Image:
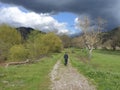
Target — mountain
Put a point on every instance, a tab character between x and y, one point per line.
25	31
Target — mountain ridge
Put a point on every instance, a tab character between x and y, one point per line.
25	31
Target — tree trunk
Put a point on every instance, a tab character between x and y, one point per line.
90	53
17	63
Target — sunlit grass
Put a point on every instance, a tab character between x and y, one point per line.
28	77
103	70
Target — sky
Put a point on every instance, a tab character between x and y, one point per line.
58	15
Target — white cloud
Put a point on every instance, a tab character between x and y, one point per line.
77	26
14	16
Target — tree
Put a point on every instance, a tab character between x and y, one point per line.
18	53
66	40
78	42
35	45
41	44
91	32
8	37
53	42
111	39
115	39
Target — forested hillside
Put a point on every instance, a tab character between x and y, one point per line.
20	44
111	39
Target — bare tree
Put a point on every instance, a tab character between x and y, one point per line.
91	32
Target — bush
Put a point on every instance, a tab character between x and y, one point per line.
53	42
8	37
18	53
35	45
41	44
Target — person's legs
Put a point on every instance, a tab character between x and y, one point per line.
66	62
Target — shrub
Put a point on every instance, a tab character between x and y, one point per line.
53	42
41	44
18	53
8	37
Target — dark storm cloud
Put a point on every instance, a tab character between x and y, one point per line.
94	8
77	6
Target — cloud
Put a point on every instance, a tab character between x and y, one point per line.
16	17
108	9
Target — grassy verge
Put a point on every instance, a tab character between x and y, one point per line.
28	77
103	70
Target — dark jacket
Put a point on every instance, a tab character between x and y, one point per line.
66	56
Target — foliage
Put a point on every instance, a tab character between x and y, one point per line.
18	53
53	42
8	37
34	45
111	38
41	44
66	40
78	42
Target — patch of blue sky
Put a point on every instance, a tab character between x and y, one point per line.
68	18
65	17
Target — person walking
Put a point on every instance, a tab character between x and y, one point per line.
65	59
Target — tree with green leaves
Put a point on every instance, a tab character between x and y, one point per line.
40	44
34	45
52	42
8	37
18	53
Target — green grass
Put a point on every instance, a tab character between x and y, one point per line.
103	70
28	77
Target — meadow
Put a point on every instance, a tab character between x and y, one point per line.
28	77
103	69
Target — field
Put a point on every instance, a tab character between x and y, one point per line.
103	70
28	77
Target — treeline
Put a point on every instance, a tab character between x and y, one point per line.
14	48
108	40
111	39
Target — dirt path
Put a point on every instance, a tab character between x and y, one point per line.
67	78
